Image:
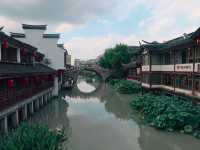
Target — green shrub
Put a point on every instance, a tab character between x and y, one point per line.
113	82
34	137
169	113
124	86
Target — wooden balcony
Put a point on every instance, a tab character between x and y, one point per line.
11	97
170	68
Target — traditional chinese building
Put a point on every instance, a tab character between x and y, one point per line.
25	83
55	54
173	65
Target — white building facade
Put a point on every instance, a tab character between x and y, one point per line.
48	45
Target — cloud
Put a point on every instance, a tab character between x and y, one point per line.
90	47
64	27
10	24
170	18
70	11
166	19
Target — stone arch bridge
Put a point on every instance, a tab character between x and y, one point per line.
73	73
103	73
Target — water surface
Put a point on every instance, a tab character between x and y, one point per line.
103	120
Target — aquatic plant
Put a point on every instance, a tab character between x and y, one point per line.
170	113
124	86
32	137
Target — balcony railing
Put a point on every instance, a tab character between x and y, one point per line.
12	96
170	68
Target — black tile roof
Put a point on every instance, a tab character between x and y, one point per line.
28	26
17	35
61	46
9	69
181	42
57	36
16	42
196	34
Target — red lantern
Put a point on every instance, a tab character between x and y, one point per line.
10	83
5	44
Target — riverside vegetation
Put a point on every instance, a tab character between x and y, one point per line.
124	86
169	113
161	111
32	137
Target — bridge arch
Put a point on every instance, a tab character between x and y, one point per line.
92	70
103	73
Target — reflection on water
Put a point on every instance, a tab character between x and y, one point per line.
83	86
103	120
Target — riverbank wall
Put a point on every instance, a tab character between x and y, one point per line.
11	117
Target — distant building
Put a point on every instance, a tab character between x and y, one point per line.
67	57
68	62
77	62
47	44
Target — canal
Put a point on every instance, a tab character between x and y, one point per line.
97	118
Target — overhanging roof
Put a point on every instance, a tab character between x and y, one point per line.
10	69
175	44
16	42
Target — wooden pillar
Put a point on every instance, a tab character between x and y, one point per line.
6	124
17	118
0	51
174	72
42	100
32	107
38	103
18	55
150	68
25	111
193	71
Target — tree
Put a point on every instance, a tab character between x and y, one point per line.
113	59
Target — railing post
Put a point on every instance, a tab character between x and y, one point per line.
6	124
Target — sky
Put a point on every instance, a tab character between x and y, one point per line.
88	27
